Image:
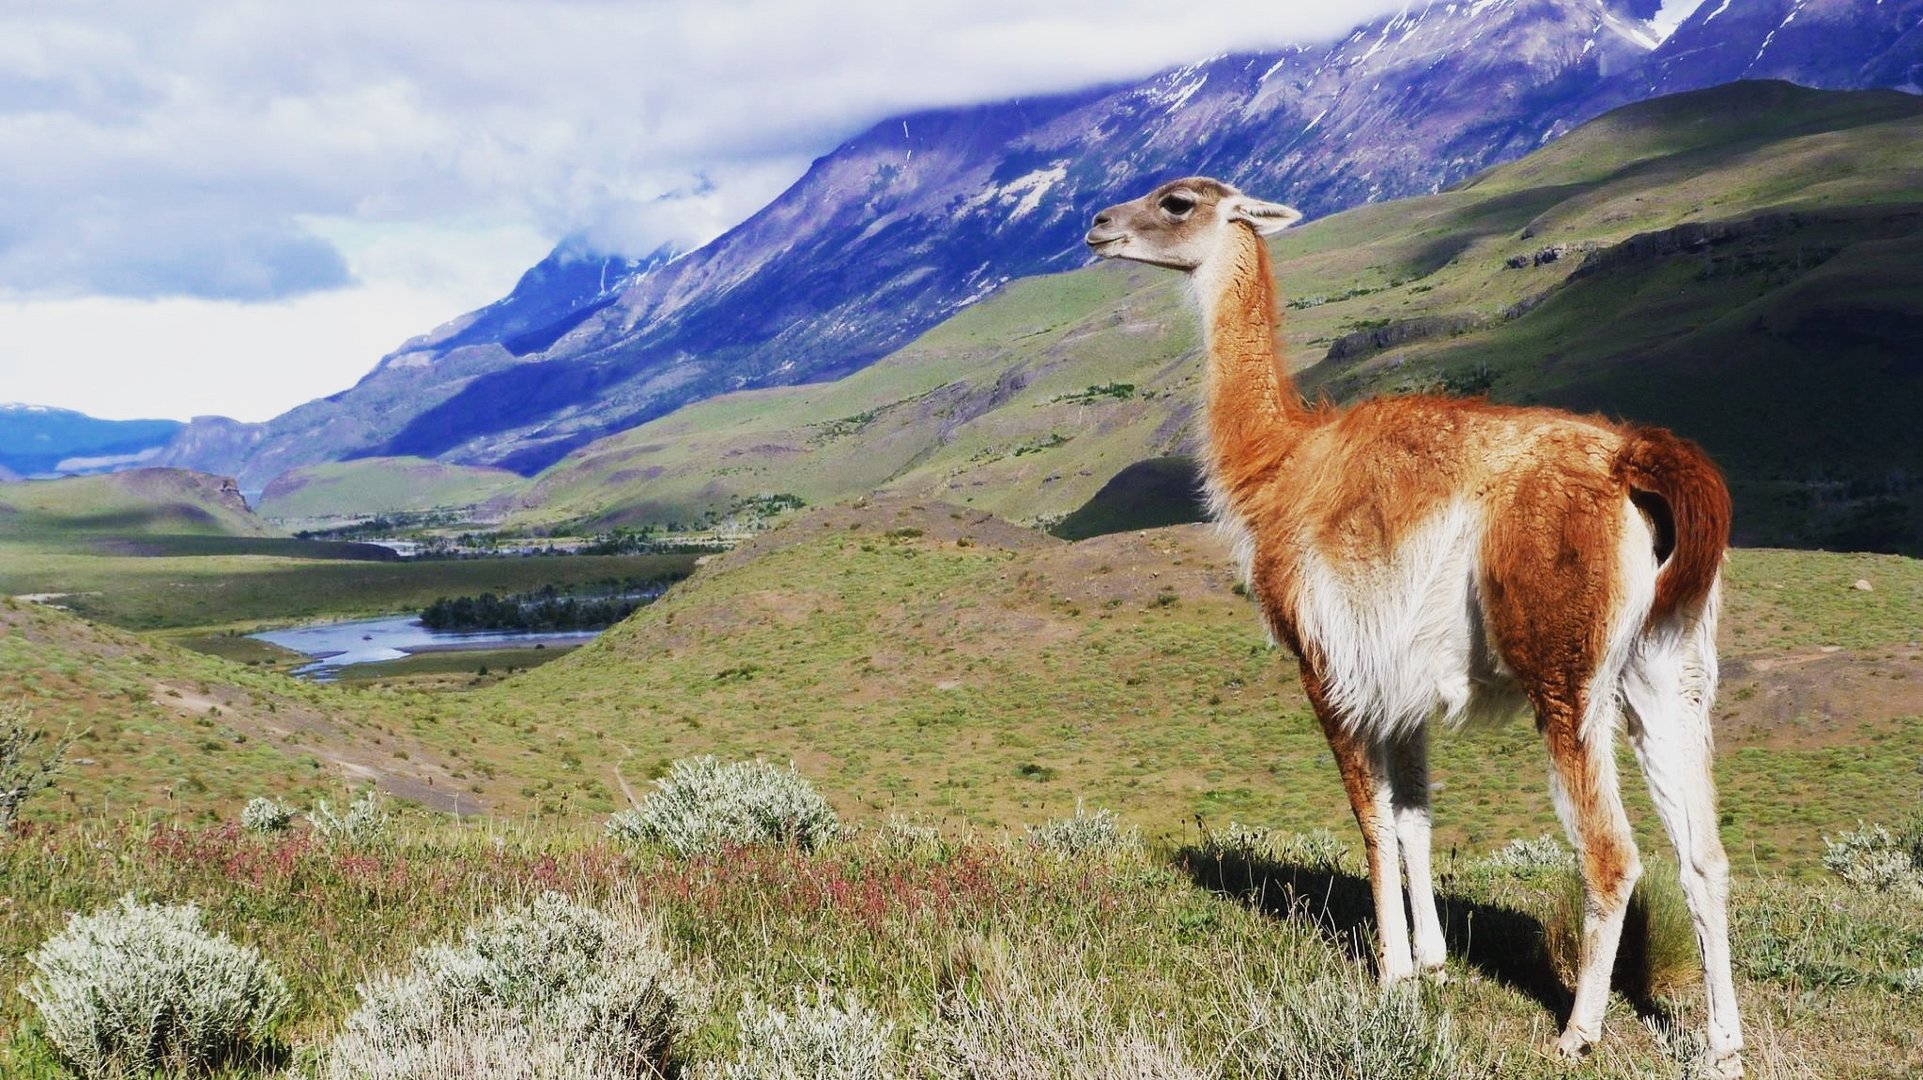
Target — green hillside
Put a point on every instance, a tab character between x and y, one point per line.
1778	326
380	486
138	503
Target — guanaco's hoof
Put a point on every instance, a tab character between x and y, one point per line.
1728	1067
1574	1044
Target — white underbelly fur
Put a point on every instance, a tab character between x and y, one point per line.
1402	642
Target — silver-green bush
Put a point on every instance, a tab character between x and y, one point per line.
1099	833
135	988
1347	1029
1531	858
704	806
552	980
822	1039
1318	849
480	1044
1874	858
364	825
263	815
903	838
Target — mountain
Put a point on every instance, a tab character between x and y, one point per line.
923	215
1841	44
1743	264
36	440
919	216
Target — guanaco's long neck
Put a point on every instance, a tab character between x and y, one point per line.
1253	407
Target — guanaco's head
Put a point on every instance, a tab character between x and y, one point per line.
1180	224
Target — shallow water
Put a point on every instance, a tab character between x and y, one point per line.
332	646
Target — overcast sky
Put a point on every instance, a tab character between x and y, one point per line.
233	208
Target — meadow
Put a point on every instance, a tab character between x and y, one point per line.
1189	948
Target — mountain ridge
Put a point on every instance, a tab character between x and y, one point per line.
40	440
915	218
1720	256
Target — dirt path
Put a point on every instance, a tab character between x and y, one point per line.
626	753
425	780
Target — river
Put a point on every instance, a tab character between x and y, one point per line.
332	646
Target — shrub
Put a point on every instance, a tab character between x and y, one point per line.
1343	1029
264	815
1248	846
1658	954
1315	850
550	982
134	988
819	1040
1099	833
23	772
1531	858
705	806
364	825
1873	858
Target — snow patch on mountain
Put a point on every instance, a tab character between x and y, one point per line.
1025	192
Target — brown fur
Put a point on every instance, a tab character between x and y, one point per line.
1690	487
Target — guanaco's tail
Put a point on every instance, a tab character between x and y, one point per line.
1673	482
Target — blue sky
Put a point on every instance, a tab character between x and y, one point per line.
233	208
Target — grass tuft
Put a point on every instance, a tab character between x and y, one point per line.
1345	1028
1658	956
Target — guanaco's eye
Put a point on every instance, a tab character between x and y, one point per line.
1177	203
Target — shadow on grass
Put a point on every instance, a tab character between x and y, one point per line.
1504	945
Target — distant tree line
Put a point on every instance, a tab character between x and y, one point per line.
546	609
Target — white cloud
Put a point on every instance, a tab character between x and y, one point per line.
256	162
127	358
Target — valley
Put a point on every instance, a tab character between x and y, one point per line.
880	512
930	659
931	664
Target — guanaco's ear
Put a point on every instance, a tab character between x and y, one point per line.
1264	217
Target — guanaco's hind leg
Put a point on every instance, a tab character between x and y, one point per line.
1670	684
1583	784
1365	776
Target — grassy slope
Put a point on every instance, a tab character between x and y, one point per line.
990	409
995	681
138	503
380	485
